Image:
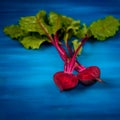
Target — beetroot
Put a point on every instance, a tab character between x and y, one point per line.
90	75
65	81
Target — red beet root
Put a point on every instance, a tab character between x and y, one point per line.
65	81
90	75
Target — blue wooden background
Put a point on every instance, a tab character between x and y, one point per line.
27	90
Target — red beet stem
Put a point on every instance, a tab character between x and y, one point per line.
61	51
72	64
78	66
73	59
69	48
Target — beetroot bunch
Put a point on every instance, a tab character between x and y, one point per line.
32	31
66	79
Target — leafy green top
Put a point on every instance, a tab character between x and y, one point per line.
104	28
31	30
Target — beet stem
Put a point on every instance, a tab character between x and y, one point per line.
78	66
73	59
61	51
69	49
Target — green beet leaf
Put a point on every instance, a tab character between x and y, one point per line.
55	21
43	23
33	42
29	24
83	31
74	27
105	28
70	27
14	31
33	23
66	21
76	43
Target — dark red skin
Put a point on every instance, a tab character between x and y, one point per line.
65	81
89	75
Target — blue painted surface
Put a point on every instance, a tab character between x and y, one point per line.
27	90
